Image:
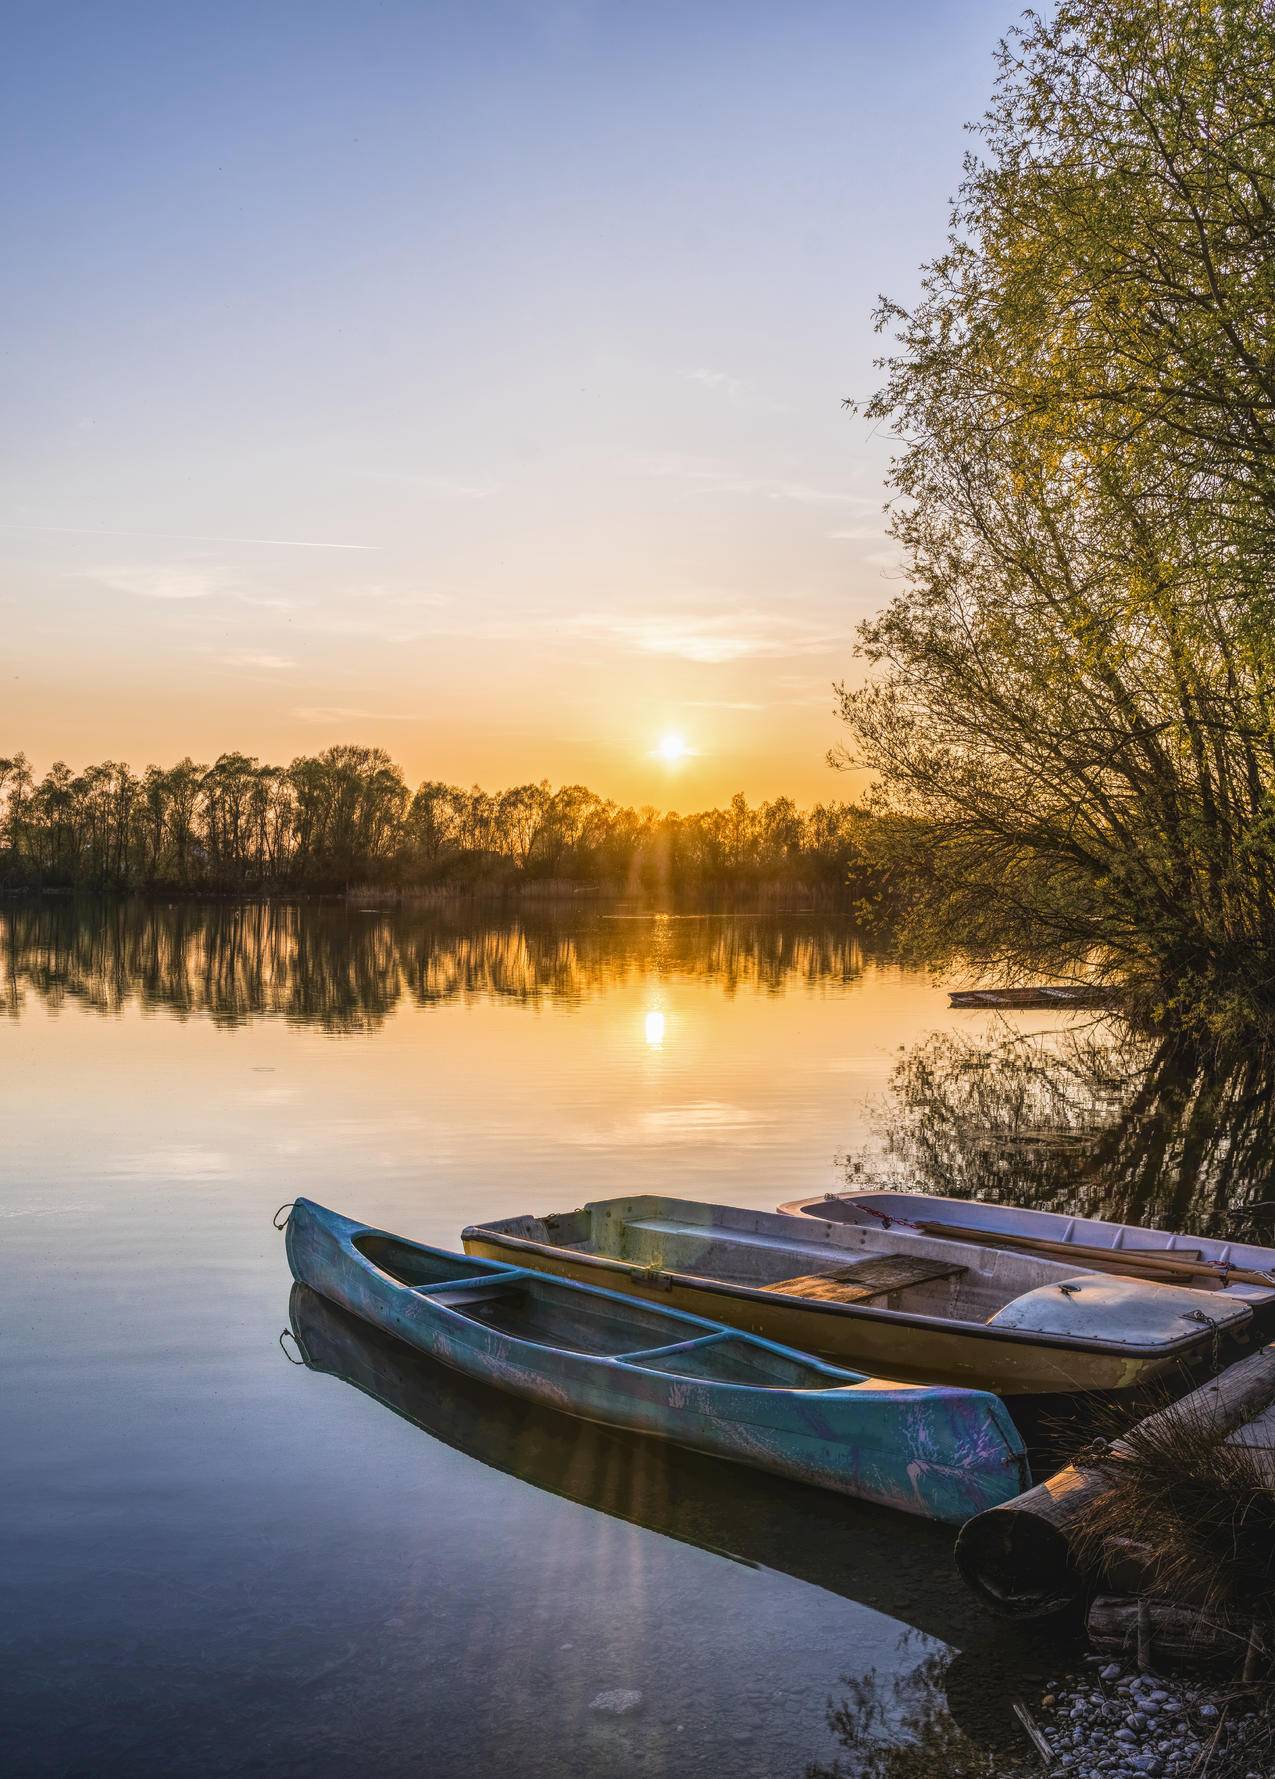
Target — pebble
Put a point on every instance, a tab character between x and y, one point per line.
1131	1725
616	1700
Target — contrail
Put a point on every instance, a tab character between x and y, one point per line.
189	537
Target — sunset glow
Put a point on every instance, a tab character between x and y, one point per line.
492	493
672	749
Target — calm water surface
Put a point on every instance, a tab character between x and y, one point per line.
218	1562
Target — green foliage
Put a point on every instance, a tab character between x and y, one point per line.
1074	702
346	817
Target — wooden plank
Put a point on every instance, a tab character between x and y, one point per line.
1060	995
864	1279
1129	1260
1034	1736
1257	1436
820	1285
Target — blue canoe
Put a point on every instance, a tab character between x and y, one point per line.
943	1453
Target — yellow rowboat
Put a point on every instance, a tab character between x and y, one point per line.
894	1302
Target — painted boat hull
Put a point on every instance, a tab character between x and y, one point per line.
943	1454
904	1344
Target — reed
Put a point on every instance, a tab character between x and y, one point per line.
1195	1515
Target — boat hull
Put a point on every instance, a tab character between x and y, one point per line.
884	1343
939	1453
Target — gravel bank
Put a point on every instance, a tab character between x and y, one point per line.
1113	1721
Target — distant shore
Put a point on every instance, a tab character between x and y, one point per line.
777	899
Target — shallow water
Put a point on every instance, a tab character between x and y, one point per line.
217	1562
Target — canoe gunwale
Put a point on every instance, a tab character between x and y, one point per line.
1076	1343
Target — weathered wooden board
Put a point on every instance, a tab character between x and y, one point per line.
864	1279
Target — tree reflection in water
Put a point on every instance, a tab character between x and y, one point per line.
1094	1120
346	969
905	1730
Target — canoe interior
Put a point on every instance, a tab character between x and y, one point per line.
408	1264
553	1314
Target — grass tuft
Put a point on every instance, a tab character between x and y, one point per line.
1199	1515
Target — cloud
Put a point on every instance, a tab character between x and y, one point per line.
437	487
186	537
186	581
712	477
166	581
390	596
353	713
710	638
251	659
732	386
805	495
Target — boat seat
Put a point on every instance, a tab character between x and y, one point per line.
864	1279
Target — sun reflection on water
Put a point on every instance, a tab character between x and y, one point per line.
653	1029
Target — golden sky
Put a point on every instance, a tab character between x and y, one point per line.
464	381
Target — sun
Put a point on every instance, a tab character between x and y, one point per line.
672	749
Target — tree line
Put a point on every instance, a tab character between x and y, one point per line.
346	817
1075	700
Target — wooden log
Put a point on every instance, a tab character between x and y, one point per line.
1174	1632
1126	1260
1018	1559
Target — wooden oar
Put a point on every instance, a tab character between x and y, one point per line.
1160	1260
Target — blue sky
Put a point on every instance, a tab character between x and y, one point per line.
463	379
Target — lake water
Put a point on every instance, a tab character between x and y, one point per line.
219	1562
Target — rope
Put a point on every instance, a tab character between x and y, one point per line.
284	1207
289	1335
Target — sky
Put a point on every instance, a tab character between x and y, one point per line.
461	379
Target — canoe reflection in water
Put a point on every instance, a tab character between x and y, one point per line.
900	1567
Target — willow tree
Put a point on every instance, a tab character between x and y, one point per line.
1073	695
